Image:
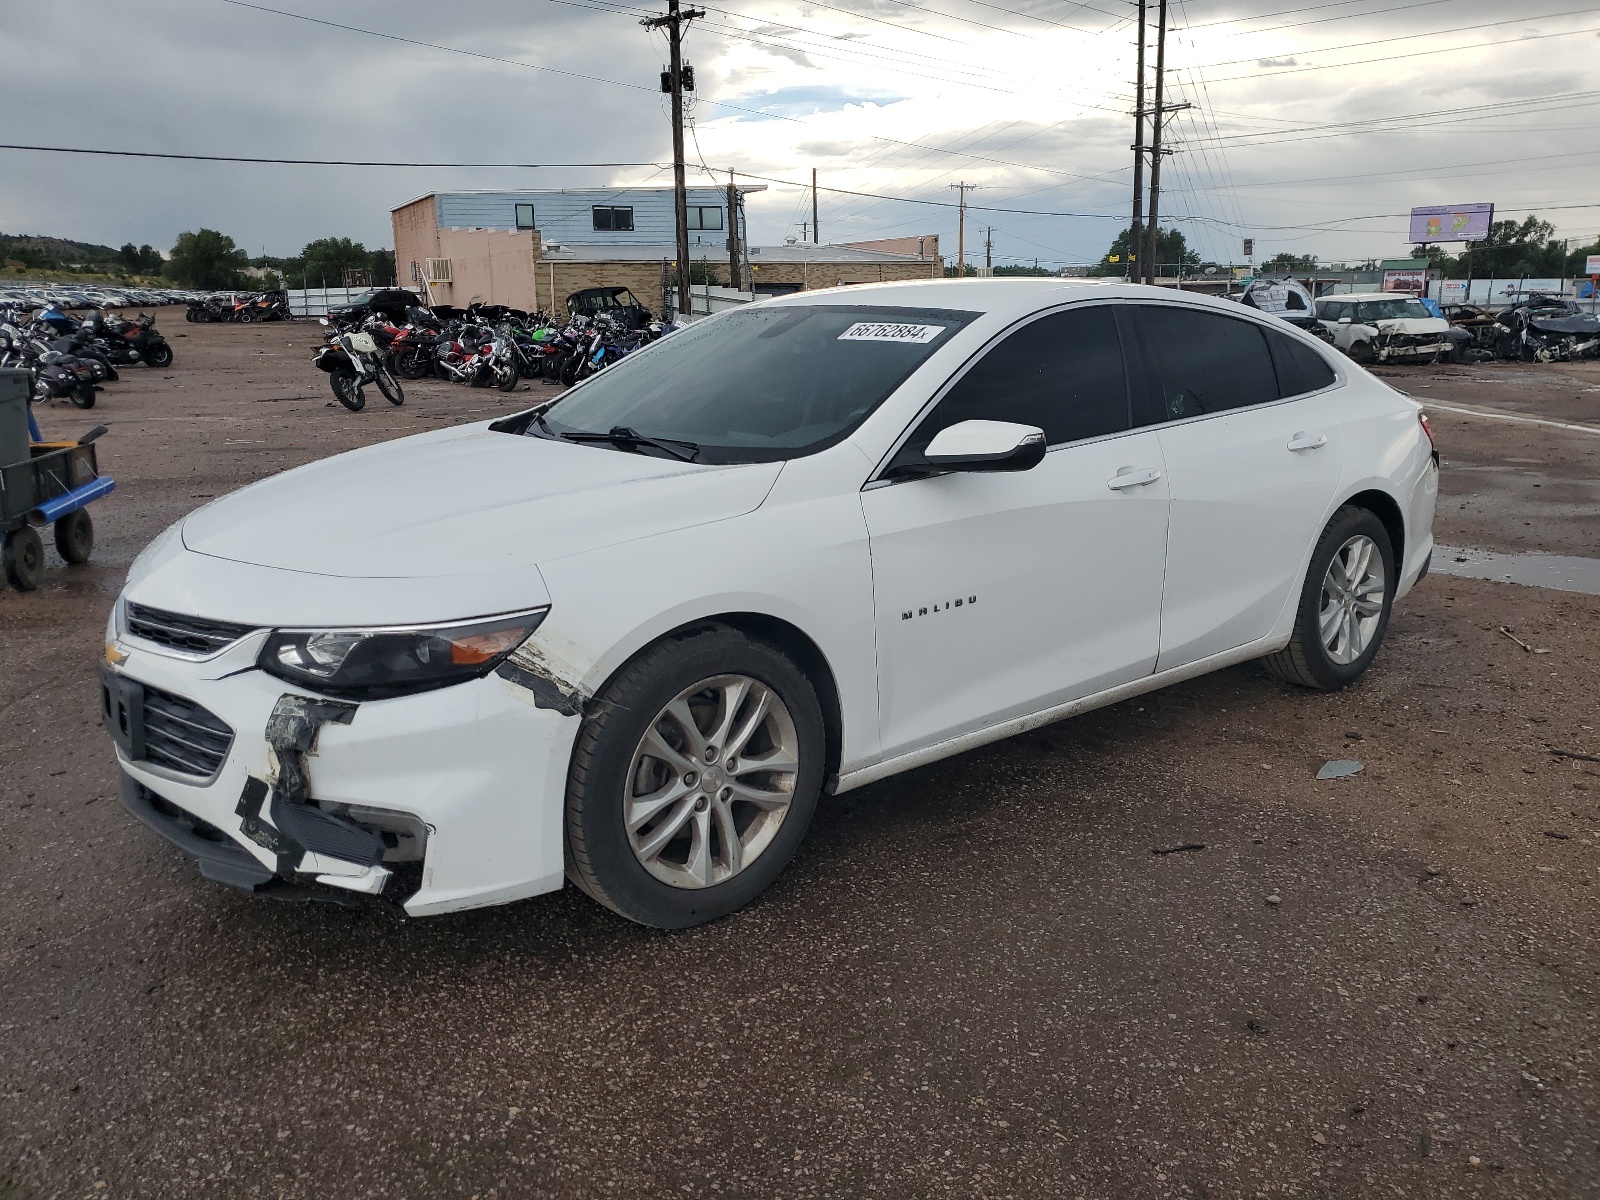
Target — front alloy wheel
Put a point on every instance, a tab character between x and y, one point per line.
694	777
711	781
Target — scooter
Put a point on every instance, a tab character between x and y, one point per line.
353	360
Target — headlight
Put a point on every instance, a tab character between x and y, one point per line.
375	664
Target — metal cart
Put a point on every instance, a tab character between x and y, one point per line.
42	483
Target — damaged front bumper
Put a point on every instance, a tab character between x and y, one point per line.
1393	347
446	800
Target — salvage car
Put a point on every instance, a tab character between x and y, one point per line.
630	636
1380	327
1288	300
1545	328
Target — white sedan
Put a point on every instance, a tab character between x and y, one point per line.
630	637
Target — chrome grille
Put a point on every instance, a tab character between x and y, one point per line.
193	635
182	736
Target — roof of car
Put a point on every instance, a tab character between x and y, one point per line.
1371	296
1018	294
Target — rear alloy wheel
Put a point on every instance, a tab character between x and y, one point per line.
1344	607
684	816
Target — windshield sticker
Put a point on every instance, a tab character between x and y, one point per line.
875	331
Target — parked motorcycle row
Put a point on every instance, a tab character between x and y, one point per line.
243	308
481	346
70	359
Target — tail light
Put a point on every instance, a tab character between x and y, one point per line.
1427	429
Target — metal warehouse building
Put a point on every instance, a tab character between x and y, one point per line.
531	249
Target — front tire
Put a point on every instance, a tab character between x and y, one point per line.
348	390
159	356
1344	606
694	778
390	387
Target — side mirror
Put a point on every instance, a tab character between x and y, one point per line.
1344	320
985	446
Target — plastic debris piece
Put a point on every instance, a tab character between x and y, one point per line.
1177	849
1341	768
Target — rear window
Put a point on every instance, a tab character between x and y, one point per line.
1301	368
759	384
1205	362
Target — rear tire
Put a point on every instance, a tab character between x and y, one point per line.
83	396
23	558
75	536
159	356
601	854
1335	642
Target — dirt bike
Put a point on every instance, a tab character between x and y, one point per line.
353	360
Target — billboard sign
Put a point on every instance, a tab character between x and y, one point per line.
1453	291
1411	282
1451	223
1591	265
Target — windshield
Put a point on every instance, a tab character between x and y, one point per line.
1393	310
758	384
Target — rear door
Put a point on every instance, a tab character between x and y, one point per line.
1254	452
997	595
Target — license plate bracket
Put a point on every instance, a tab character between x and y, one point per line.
122	712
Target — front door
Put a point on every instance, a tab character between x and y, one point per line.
998	595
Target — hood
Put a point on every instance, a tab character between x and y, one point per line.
1414	325
465	501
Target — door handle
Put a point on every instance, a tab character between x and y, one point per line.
1308	441
1132	477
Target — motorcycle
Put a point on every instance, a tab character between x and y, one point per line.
143	337
53	375
353	360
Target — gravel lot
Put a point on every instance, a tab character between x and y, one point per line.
978	979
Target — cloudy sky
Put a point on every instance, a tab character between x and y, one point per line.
1314	123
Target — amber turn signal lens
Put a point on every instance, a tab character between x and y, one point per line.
470	651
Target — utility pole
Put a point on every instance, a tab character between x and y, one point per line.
815	228
1157	128
1136	230
734	277
961	227
988	251
674	81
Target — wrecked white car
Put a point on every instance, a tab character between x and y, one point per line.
1381	327
630	637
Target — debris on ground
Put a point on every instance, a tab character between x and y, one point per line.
1187	846
1506	629
1341	768
1574	754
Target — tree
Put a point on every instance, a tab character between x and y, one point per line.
1285	263
1171	251
206	259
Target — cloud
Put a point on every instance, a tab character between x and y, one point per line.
788	52
1290	61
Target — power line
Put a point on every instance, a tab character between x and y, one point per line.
319	162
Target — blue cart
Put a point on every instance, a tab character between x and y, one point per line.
42	483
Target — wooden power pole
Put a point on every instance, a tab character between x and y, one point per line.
1135	250
735	272
961	227
674	80
1157	128
816	230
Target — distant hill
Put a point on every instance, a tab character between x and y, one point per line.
41	251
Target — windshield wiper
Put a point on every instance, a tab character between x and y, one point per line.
624	438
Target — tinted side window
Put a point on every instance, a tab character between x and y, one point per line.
1204	362
1300	368
1062	373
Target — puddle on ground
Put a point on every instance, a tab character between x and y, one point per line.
1564	572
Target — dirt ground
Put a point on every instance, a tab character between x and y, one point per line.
978	979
